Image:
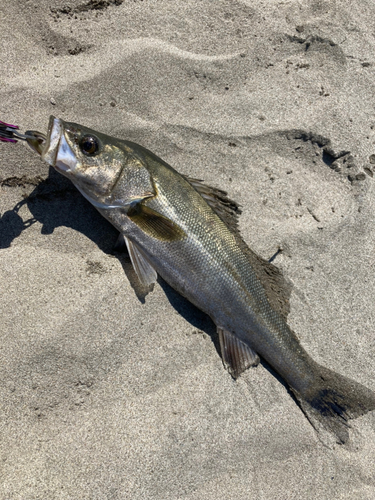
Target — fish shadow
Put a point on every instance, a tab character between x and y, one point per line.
197	318
201	321
53	203
56	202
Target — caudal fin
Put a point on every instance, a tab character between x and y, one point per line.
335	400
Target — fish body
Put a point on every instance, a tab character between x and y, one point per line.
187	233
208	267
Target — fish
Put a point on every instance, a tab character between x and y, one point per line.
186	232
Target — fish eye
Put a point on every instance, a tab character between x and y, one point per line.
89	145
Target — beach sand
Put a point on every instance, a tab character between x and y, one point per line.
107	394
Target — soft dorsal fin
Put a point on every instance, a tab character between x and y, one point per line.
277	288
236	355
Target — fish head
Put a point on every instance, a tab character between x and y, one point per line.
94	162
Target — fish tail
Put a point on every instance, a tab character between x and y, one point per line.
332	402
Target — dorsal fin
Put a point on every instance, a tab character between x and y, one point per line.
277	288
227	209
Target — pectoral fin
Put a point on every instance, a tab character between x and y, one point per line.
155	224
236	355
145	272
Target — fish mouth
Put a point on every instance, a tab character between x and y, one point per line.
51	146
56	151
43	144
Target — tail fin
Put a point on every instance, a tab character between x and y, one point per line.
335	400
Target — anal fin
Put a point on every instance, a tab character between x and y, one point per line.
236	355
145	272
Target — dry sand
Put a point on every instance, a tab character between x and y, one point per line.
106	395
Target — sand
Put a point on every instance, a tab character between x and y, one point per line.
109	395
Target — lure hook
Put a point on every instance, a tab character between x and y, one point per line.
9	133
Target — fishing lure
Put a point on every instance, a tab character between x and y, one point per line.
9	133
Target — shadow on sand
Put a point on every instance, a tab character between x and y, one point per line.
56	202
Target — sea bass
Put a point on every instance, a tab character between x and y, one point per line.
187	233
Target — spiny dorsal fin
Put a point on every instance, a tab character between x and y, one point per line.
227	209
236	355
277	288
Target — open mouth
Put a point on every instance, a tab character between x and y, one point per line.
51	146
